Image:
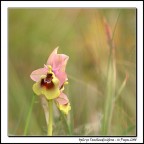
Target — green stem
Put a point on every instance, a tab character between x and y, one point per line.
50	105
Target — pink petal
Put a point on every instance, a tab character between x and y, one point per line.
62	76
62	99
51	57
60	61
57	61
35	75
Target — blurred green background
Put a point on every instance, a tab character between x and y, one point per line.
79	33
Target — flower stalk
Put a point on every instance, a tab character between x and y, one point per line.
50	128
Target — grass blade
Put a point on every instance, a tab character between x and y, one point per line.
29	116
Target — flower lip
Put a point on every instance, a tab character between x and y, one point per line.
47	82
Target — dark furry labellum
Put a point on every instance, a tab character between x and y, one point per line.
47	82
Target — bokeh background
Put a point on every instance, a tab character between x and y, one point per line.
79	33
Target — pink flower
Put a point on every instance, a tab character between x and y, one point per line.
50	80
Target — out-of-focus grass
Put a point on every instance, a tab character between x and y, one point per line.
34	33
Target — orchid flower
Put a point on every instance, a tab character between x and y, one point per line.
50	80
